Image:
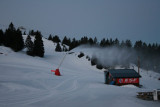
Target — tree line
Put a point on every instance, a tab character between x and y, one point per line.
149	54
139	45
12	38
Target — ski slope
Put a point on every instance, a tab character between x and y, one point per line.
26	81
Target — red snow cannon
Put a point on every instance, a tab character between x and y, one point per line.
56	72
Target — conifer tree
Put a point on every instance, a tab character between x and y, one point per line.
102	43
111	42
18	42
24	33
138	45
95	40
73	44
123	44
31	32
84	40
1	37
91	41
9	35
13	38
56	39
11	27
29	45
38	49
50	37
107	43
144	46
116	42
128	43
64	41
58	48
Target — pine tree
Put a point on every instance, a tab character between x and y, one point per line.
64	41
24	33
111	42
102	43
50	37
123	44
107	43
13	38
91	41
144	46
68	42
116	42
56	39
95	40
32	33
138	45
38	49
9	35
11	27
84	40
58	48
128	43
1	36
74	44
29	45
18	42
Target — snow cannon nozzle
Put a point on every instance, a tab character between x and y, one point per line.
56	72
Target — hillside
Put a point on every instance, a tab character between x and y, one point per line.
26	81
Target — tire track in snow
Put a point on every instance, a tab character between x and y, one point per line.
56	95
32	97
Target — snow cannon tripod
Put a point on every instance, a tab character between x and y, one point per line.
57	72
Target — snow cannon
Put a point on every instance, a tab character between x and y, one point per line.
56	72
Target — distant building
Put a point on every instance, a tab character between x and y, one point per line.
122	77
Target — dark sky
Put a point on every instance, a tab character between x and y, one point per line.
122	19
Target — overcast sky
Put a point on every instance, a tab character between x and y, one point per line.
122	19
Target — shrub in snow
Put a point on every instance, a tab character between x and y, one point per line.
81	54
87	57
93	61
99	66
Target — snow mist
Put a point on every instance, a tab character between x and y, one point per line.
113	56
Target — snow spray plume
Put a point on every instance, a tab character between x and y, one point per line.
113	56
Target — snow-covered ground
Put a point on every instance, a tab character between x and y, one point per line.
26	81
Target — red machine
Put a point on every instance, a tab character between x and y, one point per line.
56	72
